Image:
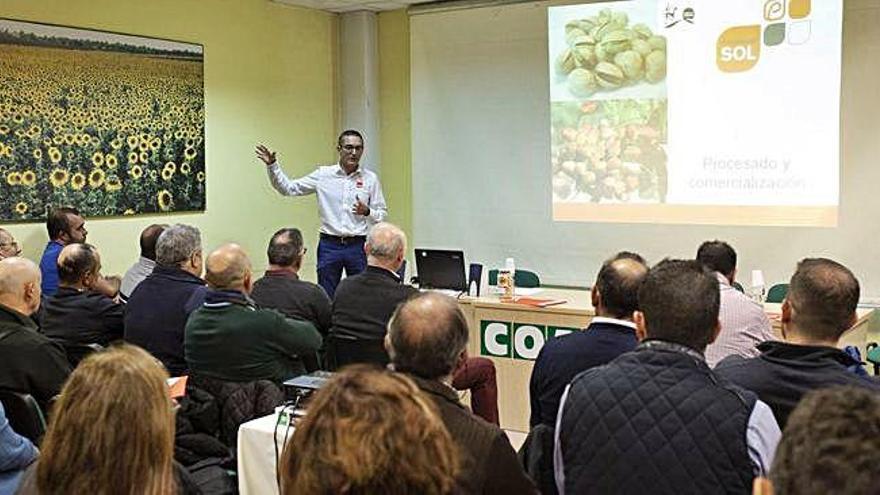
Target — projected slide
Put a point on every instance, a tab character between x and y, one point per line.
696	111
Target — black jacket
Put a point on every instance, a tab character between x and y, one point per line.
365	302
294	298
784	372
82	317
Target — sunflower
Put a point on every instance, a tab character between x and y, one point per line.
98	159
144	146
167	173
165	200
59	177
171	166
4	129
54	154
132	141
113	184
128	212
189	153
96	178
28	178
143	157
136	172
78	181
155	143
111	161
58	139
200	176
69	139
132	157
116	143
153	174
184	168
21	208
13	178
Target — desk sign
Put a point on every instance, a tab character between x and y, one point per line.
516	340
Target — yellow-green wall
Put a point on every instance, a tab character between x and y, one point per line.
394	102
269	77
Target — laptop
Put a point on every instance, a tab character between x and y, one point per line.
441	269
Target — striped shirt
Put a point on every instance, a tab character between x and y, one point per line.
744	325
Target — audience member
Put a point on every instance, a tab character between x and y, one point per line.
145	264
658	419
281	288
77	314
369	431
9	247
228	338
364	304
16	454
820	306
29	362
111	430
65	226
427	340
610	333
744	324
830	445
157	310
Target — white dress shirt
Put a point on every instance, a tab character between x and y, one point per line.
337	194
744	325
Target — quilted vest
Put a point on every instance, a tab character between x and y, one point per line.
656	420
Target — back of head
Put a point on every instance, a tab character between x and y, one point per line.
58	221
369	431
426	335
385	243
114	404
823	295
228	268
177	244
149	237
20	284
718	256
831	444
76	262
679	300
285	247
618	284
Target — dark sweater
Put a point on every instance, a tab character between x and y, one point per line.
562	358
294	298
365	302
29	362
489	463
156	314
228	338
82	317
784	372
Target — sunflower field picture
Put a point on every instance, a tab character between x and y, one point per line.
111	124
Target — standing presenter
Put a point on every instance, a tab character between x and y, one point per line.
350	201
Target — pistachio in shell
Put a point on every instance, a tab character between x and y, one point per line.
582	82
631	63
604	16
610	76
582	40
585	24
655	66
617	41
619	19
642	47
585	56
657	42
642	31
565	62
601	54
571	35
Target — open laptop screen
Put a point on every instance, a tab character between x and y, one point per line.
441	269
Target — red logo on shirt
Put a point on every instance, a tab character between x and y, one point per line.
359	184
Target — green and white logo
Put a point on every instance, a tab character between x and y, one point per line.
516	340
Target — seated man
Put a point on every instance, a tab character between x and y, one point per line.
281	288
65	226
658	419
820	306
427	339
744	324
228	338
29	362
365	302
145	264
9	247
157	310
78	314
610	333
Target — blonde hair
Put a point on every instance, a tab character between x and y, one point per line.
112	429
370	431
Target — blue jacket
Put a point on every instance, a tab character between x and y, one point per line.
16	453
49	268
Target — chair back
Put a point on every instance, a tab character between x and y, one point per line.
521	278
78	352
777	293
343	350
24	414
536	458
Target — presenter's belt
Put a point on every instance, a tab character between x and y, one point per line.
343	239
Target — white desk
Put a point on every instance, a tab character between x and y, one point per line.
256	456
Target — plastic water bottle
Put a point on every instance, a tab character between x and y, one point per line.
758	288
506	283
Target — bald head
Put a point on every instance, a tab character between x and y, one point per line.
229	268
8	246
149	237
427	336
79	266
616	292
385	246
20	285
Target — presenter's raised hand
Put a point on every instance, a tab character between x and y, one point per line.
360	208
265	154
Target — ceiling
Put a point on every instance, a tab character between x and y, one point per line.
340	6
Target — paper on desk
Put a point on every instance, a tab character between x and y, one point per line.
519	291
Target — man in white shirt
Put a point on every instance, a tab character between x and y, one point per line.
350	201
744	324
145	264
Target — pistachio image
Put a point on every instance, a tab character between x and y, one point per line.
657	42
585	56
582	82
630	62
641	30
609	76
655	66
565	63
642	47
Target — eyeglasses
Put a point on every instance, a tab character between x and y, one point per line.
350	148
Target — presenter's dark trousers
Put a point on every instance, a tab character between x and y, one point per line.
336	253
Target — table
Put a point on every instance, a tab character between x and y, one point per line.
256	455
511	335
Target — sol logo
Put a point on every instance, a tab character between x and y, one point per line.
738	48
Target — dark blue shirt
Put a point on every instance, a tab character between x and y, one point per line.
564	357
49	268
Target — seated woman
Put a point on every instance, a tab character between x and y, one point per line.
111	430
369	431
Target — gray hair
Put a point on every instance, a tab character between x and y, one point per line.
177	244
385	241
